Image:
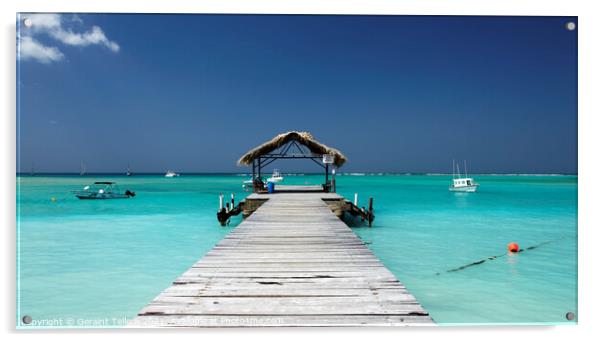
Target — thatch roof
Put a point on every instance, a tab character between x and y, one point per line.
304	138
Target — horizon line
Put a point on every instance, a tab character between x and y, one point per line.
370	173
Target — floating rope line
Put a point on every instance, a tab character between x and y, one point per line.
493	257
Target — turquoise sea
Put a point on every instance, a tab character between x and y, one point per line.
97	263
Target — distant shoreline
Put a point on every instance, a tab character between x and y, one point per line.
244	174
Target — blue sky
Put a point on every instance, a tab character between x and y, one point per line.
394	93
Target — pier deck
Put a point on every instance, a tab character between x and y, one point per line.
291	263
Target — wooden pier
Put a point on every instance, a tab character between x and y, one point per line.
292	262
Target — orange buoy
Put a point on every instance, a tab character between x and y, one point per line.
513	247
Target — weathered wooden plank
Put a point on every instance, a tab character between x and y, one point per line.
272	308
316	282
212	321
281	291
308	266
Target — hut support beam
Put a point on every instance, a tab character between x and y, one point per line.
326	185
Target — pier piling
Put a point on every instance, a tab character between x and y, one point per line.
370	211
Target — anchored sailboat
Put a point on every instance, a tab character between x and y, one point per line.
462	184
82	169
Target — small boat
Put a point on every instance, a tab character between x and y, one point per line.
171	174
276	177
247	185
103	190
129	171
462	184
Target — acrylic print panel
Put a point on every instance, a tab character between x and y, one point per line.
295	170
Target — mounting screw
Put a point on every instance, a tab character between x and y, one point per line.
26	319
570	26
27	22
570	316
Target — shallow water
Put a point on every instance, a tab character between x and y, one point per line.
97	263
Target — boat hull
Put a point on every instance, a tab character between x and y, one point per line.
471	188
96	196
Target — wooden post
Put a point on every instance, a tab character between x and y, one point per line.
221	201
334	181
370	209
355	199
231	201
259	168
255	188
222	217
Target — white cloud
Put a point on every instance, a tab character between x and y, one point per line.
77	19
54	26
94	36
31	49
44	22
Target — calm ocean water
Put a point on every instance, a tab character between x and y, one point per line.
102	261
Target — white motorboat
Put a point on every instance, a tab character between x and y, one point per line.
462	184
171	174
103	190
276	177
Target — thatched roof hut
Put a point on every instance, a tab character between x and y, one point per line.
303	138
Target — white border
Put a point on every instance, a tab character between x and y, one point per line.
590	58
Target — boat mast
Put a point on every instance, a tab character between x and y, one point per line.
465	169
453	169
82	168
